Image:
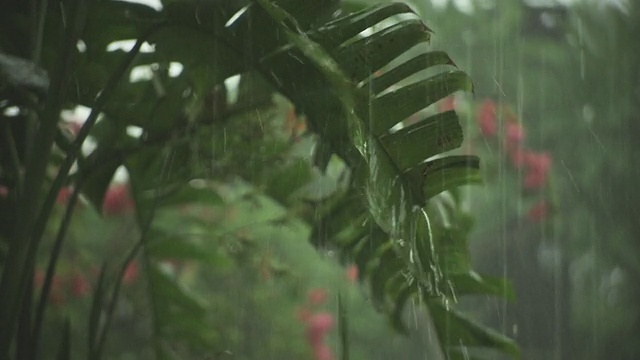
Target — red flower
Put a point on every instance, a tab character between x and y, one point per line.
487	118
64	194
538	166
79	285
4	191
117	200
352	273
317	296
540	162
131	273
538	212
514	135
318	325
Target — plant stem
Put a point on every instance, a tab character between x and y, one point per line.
13	153
41	10
14	280
343	328
51	268
96	352
74	149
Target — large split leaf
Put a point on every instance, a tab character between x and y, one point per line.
331	73
397	170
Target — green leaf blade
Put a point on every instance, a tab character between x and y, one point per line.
391	108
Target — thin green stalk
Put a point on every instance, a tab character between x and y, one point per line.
343	328
14	279
51	268
96	353
72	155
23	335
39	30
13	153
74	149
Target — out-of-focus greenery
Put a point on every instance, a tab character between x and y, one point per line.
570	75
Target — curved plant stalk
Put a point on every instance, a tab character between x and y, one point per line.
74	149
14	276
51	269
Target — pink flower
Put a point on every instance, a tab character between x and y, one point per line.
538	212
486	117
538	166
514	135
352	273
117	200
4	191
318	326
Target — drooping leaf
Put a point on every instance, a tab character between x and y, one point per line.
23	74
455	330
471	283
178	314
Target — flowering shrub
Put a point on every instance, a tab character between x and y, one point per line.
317	324
510	134
77	284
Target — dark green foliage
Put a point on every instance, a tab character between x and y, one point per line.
393	215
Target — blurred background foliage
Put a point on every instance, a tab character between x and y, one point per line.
567	73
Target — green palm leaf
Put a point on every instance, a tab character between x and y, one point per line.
327	70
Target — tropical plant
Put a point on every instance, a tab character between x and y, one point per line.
356	76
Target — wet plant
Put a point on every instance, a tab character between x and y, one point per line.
183	97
